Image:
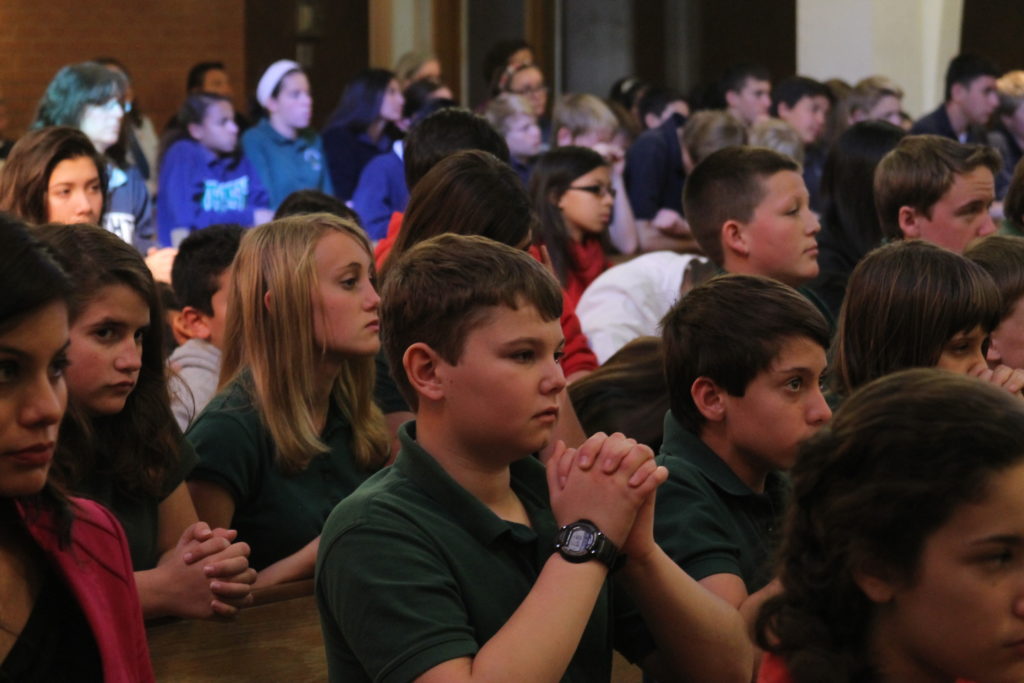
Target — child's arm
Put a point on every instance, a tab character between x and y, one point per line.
201	572
550	621
700	636
177	208
215	503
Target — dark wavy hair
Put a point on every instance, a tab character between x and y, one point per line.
360	102
73	88
140	444
551	177
25	177
904	302
899	457
31	279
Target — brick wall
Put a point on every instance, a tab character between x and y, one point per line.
158	40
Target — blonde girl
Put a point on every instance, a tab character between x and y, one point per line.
294	428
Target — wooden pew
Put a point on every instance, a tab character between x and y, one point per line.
276	639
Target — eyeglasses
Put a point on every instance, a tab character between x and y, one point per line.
531	90
601	191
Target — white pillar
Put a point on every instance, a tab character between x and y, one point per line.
910	41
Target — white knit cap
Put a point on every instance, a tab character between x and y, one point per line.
272	76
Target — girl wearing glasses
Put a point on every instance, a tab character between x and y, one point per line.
88	96
573	196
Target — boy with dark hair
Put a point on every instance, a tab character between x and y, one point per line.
463	560
748	208
208	77
654	177
746	89
441	134
200	277
658	103
970	99
744	391
804	104
933	188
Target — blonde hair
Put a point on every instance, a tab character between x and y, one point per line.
581	113
709	131
503	107
778	135
1010	87
276	344
869	91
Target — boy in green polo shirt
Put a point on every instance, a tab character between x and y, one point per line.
467	560
744	359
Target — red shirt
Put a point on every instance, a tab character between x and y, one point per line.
98	569
383	248
773	670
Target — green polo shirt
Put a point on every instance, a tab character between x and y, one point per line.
275	513
413	571
709	521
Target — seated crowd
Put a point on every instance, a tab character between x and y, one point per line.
730	383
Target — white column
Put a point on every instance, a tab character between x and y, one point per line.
910	41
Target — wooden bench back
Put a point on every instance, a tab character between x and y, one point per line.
277	639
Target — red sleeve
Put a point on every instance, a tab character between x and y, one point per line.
383	248
577	354
773	670
109	596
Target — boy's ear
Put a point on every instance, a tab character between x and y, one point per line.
910	222
421	364
651	120
709	399
194	323
734	238
195	130
563	136
957	92
731	98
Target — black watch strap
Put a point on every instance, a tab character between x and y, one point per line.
582	541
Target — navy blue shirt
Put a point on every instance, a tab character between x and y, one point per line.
199	188
348	153
381	191
937	123
654	170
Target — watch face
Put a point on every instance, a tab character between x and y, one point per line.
580	540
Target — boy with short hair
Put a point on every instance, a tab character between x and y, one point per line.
936	189
970	99
747	89
748	208
450	565
200	277
744	391
658	103
804	104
